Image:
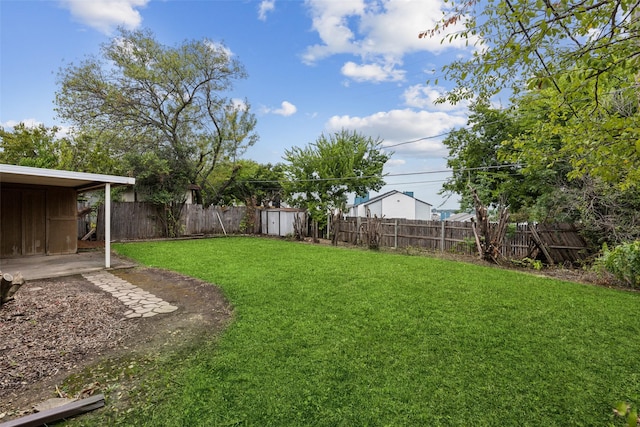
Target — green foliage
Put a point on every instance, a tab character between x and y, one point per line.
518	155
627	414
580	58
32	146
623	262
374	338
320	176
526	262
144	97
480	157
252	184
41	147
158	183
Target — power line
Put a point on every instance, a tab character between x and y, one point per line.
481	168
417	140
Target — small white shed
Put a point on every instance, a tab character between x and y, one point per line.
279	221
393	204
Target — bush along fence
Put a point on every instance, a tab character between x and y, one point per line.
551	243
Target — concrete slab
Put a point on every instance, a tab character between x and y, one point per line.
44	267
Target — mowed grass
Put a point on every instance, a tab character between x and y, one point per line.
327	336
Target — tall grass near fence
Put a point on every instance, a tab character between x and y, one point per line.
328	336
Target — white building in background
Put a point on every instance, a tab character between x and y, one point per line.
393	204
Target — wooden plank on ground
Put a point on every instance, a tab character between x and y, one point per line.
54	414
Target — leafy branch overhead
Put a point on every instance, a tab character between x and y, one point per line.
579	58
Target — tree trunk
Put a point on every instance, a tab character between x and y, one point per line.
336	218
314	225
9	285
491	238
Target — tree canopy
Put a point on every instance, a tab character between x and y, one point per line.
579	58
321	175
255	184
502	156
43	147
32	146
143	97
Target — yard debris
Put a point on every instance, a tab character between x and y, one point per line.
9	285
58	412
54	402
44	338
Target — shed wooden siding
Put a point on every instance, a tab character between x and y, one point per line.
37	220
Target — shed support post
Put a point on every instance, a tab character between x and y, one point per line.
107	225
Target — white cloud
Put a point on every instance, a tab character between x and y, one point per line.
63	131
265	7
105	15
239	104
395	162
29	123
372	72
286	109
423	96
218	47
377	31
400	126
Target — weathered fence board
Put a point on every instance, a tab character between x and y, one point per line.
139	220
563	241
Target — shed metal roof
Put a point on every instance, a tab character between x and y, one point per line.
81	181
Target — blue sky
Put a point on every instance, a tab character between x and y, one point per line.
314	66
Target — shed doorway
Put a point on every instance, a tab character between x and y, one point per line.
24	233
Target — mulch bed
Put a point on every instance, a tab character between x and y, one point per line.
52	327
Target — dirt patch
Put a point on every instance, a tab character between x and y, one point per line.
58	327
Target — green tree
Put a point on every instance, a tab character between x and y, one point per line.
483	157
87	152
32	146
321	175
580	55
255	184
143	97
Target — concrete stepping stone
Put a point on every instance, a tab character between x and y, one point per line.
140	302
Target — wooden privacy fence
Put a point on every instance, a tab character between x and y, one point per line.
555	243
139	220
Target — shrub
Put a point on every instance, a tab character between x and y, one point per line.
623	262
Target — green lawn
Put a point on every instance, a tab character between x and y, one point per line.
328	336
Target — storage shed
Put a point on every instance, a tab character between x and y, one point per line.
38	209
279	221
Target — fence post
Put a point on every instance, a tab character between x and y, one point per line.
442	236
358	223
395	234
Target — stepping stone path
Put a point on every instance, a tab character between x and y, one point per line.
141	303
